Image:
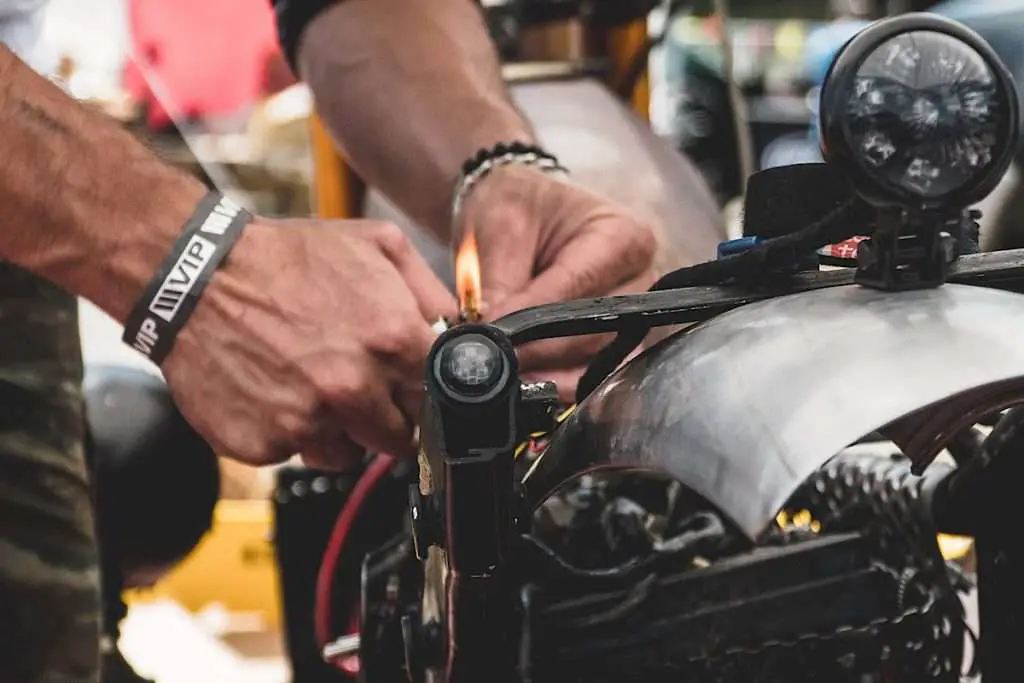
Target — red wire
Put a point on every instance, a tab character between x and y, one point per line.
322	615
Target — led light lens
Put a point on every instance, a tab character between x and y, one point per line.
471	365
924	113
919	112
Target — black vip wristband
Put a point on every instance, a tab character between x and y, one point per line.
172	294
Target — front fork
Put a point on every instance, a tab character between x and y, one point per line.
977	501
467	508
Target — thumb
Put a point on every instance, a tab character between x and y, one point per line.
500	283
505	266
573	274
595	262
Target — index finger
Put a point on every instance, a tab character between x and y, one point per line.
379	424
432	297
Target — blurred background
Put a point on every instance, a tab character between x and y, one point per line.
203	83
230	111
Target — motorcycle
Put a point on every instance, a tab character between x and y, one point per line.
707	510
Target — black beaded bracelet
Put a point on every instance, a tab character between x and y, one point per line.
489	154
174	291
502	154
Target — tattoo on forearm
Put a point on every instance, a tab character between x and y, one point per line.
41	117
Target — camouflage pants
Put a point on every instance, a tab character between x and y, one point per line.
49	577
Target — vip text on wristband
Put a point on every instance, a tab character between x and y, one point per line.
174	291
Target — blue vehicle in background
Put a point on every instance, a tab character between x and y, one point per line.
999	22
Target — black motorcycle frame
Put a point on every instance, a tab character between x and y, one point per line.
484	645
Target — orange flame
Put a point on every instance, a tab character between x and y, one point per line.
467	278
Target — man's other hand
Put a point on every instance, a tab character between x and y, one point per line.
310	339
542	239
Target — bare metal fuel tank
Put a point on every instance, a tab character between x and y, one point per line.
744	407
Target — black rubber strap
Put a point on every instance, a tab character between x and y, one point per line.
293	16
174	291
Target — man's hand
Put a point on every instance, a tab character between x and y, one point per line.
310	339
310	336
541	240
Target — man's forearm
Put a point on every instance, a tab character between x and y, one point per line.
82	202
409	89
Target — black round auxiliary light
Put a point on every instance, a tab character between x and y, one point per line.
919	112
471	367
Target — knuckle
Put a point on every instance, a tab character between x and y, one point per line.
393	349
292	429
400	357
638	238
645	242
396	340
590	281
346	392
249	449
266	454
640	248
392	240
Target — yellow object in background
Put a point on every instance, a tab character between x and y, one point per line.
789	39
233	566
955	547
951	547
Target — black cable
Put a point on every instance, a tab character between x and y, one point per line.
839	224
